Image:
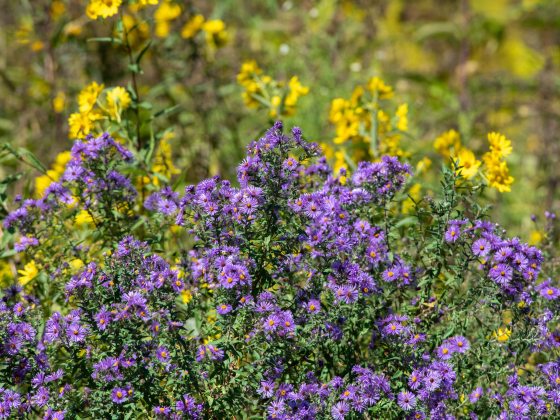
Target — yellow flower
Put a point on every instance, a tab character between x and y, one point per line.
536	237
88	96
147	2
296	91
423	165
102	8
80	125
61	160
216	34
118	100
83	218
164	14
499	145
378	86
42	182
467	163
502	334
163	164
192	27
497	172
447	142
28	273
76	264
414	196
402	120
57	9
59	102
186	296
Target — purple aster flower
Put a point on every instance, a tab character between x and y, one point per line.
266	390
460	344
313	306
391	274
103	317
503	254
162	354
501	274
76	332
119	395
481	247
339	410
41	398
393	328
406	400
445	351
25	242
550	293
475	395
415	379
432	381
223	309
518	407
162	411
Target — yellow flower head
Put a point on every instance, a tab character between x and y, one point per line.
447	142
192	27
103	8
28	273
59	102
378	86
80	124
467	163
163	163
88	96
502	334
402	117
118	100
500	146
165	13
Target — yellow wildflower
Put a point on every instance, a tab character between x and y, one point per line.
118	100
296	91
57	9
414	196
378	86
216	34
83	218
467	163
402	117
76	264
102	8
163	164
186	296
502	334
28	273
423	165
165	13
80	124
499	145
497	173
192	27
88	96
536	237
59	102
447	142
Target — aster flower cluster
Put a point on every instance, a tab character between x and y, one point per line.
294	293
509	263
90	178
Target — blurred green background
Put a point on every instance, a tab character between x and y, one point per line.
471	65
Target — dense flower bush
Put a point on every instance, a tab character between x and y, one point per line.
293	293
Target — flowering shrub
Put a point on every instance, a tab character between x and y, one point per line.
293	293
